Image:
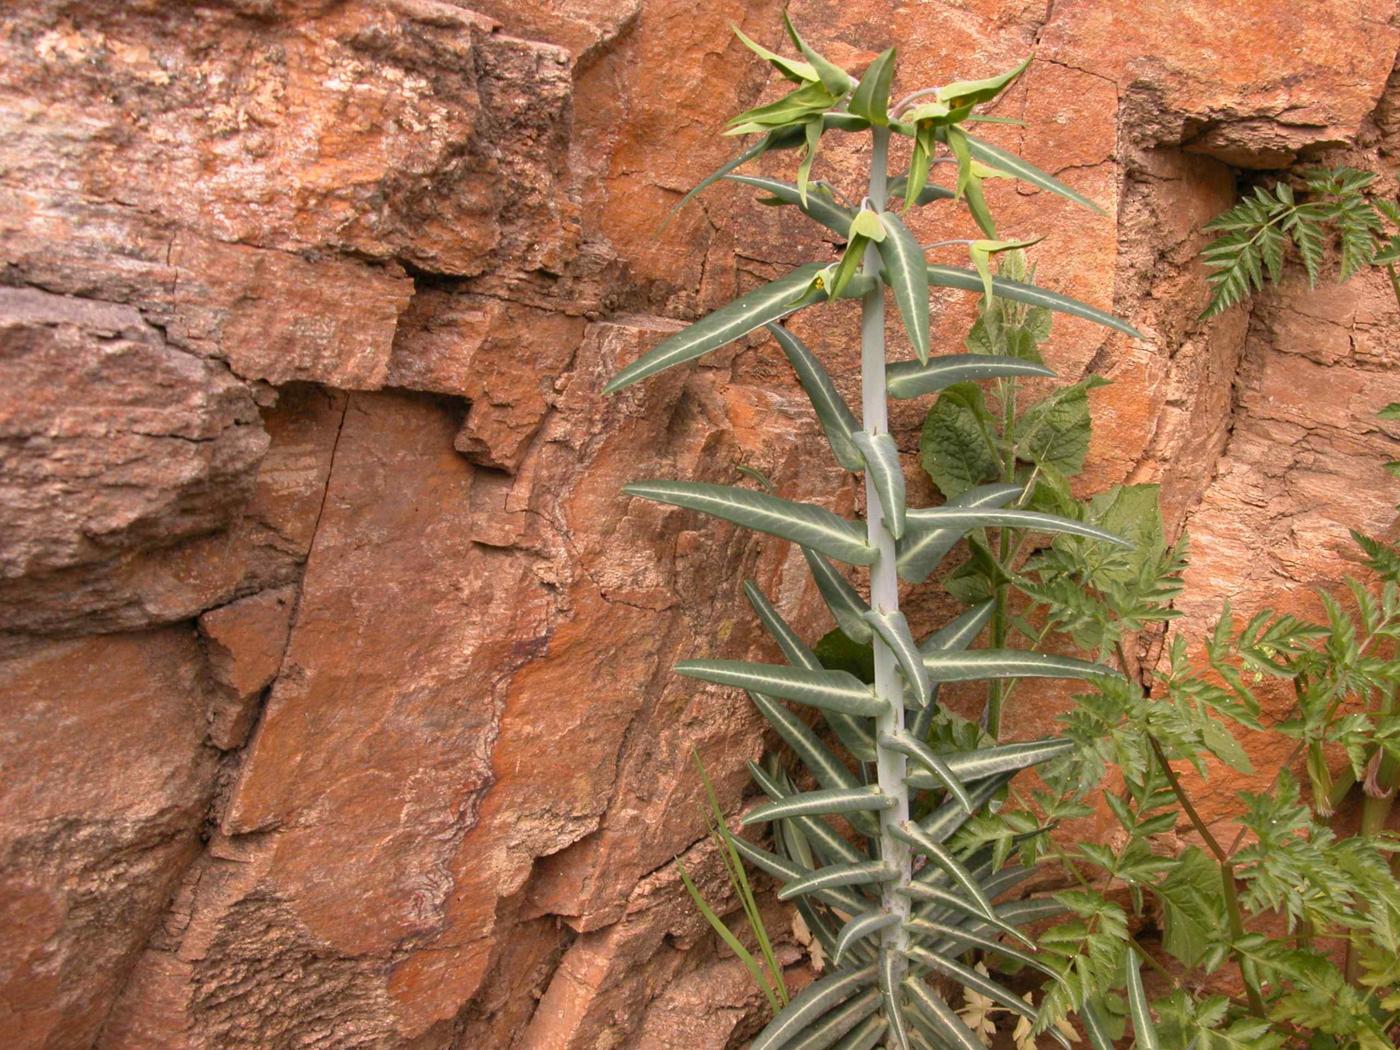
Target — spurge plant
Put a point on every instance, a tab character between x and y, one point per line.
860	847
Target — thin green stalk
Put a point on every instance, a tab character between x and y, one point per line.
996	695
890	764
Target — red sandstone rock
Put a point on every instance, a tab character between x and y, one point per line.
244	642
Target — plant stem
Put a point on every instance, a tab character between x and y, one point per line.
884	580
997	689
1227	877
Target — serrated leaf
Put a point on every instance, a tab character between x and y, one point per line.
882	467
906	272
969	281
921	550
837	421
803	523
810	1004
1055	432
830	690
957	446
751	310
871	98
910	379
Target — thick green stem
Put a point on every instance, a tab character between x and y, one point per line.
1227	878
884	581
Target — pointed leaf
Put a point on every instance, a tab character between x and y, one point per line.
820	833
942	1019
949	864
921	550
836	79
751	310
893	630
960	632
864	1037
985	664
974	92
1144	1031
970	978
926	194
847	607
823	803
872	95
1026	172
952	814
928	893
854	1017
832	690
810	1004
880	456
1095	1025
906	272
993	761
911	379
860	927
803	523
818	205
869	873
835	416
733	943
890	969
792	646
797	71
968	281
774	140
787	870
907	744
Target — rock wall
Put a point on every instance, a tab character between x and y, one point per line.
334	667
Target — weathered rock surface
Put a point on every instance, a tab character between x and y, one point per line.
338	710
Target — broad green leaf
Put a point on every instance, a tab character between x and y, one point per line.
869	873
847	607
910	745
751	310
978	665
835	416
1144	1031
797	71
808	1006
860	927
788	641
871	98
845	269
906	272
882	467
831	690
822	803
866	223
1055	431
902	186
910	379
803	523
836	79
968	281
1026	171
807	101
818	204
1095	1025
975	92
893	629
857	1017
921	550
958	446
1192	907
945	1025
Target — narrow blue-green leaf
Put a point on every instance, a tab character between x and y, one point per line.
823	803
818	206
927	195
911	379
893	630
751	310
906	272
881	460
786	870
822	836
981	664
968	281
913	747
931	894
810	1004
869	873
847	607
973	92
921	550
961	631
943	858
994	761
851	1018
836	79
832	690
1095	1026
839	121
970	978
759	148
796	71
803	523
942	1018
860	927
955	940
963	519
864	1037
835	416
793	647
1030	910
1144	1031
871	98
996	157
890	969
